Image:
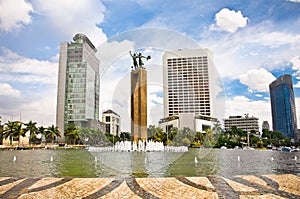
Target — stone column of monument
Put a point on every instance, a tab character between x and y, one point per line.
138	97
139	104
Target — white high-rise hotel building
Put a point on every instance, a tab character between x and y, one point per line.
189	82
189	90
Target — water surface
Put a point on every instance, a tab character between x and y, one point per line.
195	162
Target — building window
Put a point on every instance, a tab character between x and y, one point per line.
107	128
107	118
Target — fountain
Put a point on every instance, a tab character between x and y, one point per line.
138	159
141	146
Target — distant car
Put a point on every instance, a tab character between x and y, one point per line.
286	149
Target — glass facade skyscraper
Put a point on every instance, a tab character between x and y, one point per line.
78	84
283	106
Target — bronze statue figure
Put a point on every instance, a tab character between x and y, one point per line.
134	56
139	56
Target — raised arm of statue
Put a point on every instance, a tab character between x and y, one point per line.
140	56
134	57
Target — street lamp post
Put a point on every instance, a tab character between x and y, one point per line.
246	116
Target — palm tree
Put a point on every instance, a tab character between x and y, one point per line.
52	132
74	135
217	127
33	130
18	131
85	135
42	131
13	130
8	131
172	135
209	140
1	133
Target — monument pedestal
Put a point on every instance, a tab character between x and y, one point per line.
139	104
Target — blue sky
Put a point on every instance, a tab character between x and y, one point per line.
253	43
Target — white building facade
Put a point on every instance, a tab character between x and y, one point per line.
112	122
246	123
189	90
189	82
196	123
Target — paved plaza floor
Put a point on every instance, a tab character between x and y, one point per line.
262	186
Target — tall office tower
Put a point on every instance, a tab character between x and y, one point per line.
78	84
283	106
189	82
139	104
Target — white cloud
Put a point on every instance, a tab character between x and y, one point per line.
8	90
253	48
229	21
40	108
272	39
295	61
33	94
110	52
295	1
155	102
14	67
14	14
257	79
69	17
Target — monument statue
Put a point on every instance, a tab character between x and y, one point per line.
139	56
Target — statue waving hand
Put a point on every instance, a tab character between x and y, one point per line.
134	57
139	56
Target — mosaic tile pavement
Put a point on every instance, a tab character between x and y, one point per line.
263	186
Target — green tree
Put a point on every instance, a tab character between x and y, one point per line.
18	131
151	131
32	129
1	133
125	136
8	131
186	142
217	127
199	137
209	140
42	131
85	135
52	132
160	136
171	135
72	135
13	131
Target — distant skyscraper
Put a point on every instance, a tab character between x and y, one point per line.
189	82
78	84
283	106
265	125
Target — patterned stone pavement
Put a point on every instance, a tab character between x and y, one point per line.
264	186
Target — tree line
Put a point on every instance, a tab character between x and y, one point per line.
216	137
210	137
14	130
